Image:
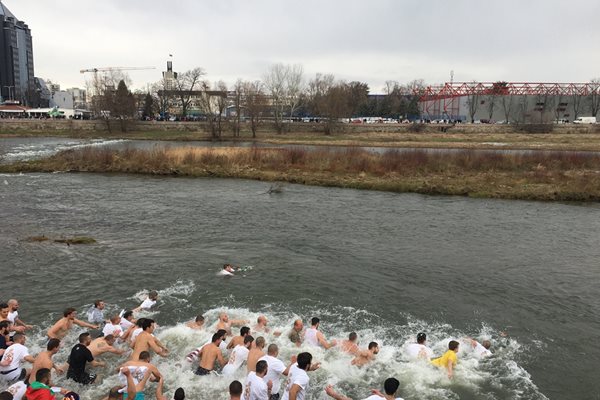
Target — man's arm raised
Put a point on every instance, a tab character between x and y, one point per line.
84	324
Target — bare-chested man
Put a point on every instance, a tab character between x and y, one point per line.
146	341
44	359
140	370
365	356
103	345
226	324
197	323
256	352
239	340
349	346
261	326
60	329
210	354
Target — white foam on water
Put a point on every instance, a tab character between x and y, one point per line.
497	377
33	151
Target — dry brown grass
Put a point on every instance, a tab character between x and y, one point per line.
532	175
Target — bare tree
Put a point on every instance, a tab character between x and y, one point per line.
595	96
275	81
544	103
506	102
254	103
473	102
561	106
316	91
294	86
577	102
163	96
238	93
185	84
221	105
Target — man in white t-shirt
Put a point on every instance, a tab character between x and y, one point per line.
481	350
11	366
17	390
390	387
13	315
315	338
419	350
276	369
256	388
149	302
298	380
238	356
114	327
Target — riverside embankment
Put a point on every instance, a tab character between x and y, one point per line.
547	176
562	137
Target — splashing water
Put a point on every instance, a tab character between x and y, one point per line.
497	377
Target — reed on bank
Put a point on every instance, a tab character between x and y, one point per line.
564	176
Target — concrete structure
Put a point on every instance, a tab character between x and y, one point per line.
79	97
16	58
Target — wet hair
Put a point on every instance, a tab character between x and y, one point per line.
127	314
352	336
18	336
216	337
453	345
314	321
235	388
140	321
390	386
248	339
199	318
108	338
304	360
226	265
52	344
4	324
421	337
260	342
222	332
179	394
147	323
3	306
71	396
42	374
261	366
144	356
68	311
153	294
97	303
486	344
6	396
244	331
372	345
272	349
114	394
115	319
83	337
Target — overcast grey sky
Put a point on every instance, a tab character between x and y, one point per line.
366	40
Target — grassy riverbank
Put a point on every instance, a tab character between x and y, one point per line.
561	137
532	176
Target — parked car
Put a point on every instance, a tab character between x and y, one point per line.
585	120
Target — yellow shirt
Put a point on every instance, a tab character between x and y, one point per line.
443	360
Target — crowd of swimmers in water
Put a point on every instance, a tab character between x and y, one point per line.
267	377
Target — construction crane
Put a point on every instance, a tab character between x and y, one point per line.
95	71
109	69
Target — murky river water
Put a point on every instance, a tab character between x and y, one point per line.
385	265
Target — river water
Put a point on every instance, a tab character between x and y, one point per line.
384	265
